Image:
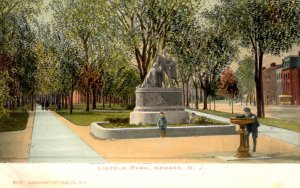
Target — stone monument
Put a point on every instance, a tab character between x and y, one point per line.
152	97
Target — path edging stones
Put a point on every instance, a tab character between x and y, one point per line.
152	132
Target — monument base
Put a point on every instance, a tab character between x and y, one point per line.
151	101
173	117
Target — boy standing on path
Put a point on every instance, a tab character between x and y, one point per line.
162	124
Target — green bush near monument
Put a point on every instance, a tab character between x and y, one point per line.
127	125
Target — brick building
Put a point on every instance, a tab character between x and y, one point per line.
291	79
278	83
272	88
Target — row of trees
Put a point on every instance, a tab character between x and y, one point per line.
17	57
266	26
107	47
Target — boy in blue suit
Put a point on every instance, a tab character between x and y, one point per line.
251	128
162	124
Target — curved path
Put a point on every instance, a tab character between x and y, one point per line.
285	135
53	141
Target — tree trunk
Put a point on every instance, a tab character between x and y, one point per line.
87	102
187	95
259	84
214	104
62	101
201	94
71	97
197	97
247	100
32	103
204	99
109	104
250	99
232	105
66	101
94	99
32	94
18	101
103	100
183	93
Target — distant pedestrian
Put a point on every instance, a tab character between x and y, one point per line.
43	105
47	105
162	124
251	128
58	106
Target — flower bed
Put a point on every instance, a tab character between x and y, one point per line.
151	132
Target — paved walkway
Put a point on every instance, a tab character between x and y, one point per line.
274	132
53	141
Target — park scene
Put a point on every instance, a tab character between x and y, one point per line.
149	81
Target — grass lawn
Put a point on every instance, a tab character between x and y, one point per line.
82	118
16	121
86	118
218	113
290	125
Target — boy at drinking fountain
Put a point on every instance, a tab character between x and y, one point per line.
251	128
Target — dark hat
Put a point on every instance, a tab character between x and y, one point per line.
161	113
247	109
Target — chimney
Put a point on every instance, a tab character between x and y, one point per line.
273	64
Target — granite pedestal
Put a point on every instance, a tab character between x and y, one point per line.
151	101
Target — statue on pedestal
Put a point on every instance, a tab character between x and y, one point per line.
155	77
157	94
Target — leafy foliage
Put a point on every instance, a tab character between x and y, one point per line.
266	26
145	26
245	75
229	83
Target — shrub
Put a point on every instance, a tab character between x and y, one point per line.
130	106
117	120
200	119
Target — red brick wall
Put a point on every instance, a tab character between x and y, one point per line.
291	84
269	82
295	83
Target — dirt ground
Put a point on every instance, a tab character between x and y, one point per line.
183	149
15	145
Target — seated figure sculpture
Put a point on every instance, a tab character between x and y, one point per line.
154	77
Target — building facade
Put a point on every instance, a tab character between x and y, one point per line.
278	83
291	79
272	89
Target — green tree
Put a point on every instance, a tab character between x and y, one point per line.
245	75
266	26
214	50
11	14
145	26
4	92
229	85
16	41
84	24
